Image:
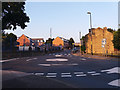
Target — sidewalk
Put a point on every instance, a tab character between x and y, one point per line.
92	56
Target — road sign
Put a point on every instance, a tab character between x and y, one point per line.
104	41
103	45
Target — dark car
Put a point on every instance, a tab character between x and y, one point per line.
74	50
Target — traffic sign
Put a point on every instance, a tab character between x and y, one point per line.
104	41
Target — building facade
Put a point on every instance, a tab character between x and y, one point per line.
59	41
101	41
25	42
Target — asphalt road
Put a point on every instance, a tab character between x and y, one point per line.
64	68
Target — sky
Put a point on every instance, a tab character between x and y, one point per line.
67	19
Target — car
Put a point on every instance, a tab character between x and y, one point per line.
74	50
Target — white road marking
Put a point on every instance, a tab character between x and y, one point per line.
34	58
28	59
45	64
96	74
74	64
66	75
39	73
51	76
9	60
65	54
112	70
57	59
78	72
115	83
79	75
92	72
56	64
69	54
52	73
83	59
58	55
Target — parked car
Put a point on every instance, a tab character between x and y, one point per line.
74	50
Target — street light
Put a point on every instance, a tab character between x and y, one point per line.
90	30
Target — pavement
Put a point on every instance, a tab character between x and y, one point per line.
92	56
60	70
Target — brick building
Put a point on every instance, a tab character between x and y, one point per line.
98	35
59	41
26	41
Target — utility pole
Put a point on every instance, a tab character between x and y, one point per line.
80	41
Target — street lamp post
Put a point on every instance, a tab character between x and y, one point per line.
90	30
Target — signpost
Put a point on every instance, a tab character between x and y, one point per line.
103	44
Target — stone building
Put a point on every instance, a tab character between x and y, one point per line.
98	36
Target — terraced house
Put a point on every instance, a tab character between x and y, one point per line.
98	35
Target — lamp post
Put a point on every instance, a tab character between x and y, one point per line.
90	30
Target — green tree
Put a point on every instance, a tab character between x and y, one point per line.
110	30
71	41
9	41
83	48
13	15
49	41
116	40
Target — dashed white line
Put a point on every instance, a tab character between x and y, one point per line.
39	73
57	59
95	74
92	72
78	72
28	59
34	58
66	75
83	59
45	64
51	76
52	73
80	75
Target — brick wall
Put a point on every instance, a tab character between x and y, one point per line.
57	41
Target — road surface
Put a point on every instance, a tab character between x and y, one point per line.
62	69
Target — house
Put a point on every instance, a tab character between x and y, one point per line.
101	41
37	41
25	42
59	41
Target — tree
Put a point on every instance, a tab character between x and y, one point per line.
13	15
9	41
116	40
110	30
49	41
71	41
83	48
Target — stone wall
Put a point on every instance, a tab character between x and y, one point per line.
98	35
